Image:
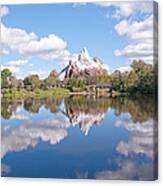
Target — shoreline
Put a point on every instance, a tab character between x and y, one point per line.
57	93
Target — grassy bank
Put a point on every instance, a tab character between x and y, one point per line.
37	93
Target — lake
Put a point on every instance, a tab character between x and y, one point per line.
79	138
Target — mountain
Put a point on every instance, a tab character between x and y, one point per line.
84	66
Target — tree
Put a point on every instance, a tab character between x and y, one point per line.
116	80
145	73
104	79
5	73
137	66
132	82
27	81
139	80
32	81
5	78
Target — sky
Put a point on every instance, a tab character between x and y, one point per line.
39	38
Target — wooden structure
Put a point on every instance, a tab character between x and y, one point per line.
99	89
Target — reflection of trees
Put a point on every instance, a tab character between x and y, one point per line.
32	105
8	107
87	105
140	108
52	104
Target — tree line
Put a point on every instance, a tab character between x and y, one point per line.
142	78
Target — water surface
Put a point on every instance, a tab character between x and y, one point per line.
79	137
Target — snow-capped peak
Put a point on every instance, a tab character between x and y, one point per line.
84	55
84	65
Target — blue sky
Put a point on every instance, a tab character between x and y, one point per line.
116	32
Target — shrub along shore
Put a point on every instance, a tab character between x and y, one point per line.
36	93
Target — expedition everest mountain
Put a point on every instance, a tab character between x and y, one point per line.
84	66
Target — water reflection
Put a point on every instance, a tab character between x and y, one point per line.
142	143
140	140
5	169
15	139
125	139
128	170
140	108
85	112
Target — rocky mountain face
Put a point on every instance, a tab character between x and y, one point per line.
85	66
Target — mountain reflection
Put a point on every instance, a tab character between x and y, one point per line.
82	111
140	109
76	111
23	126
85	112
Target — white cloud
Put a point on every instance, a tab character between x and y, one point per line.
15	38
140	39
45	45
128	170
60	121
31	64
3	51
17	62
134	50
141	138
136	29
19	116
29	134
28	44
4	11
122	27
62	55
139	33
126	9
78	4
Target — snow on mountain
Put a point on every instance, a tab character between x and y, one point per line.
83	65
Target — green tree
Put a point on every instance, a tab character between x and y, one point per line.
116	80
33	81
145	73
5	75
